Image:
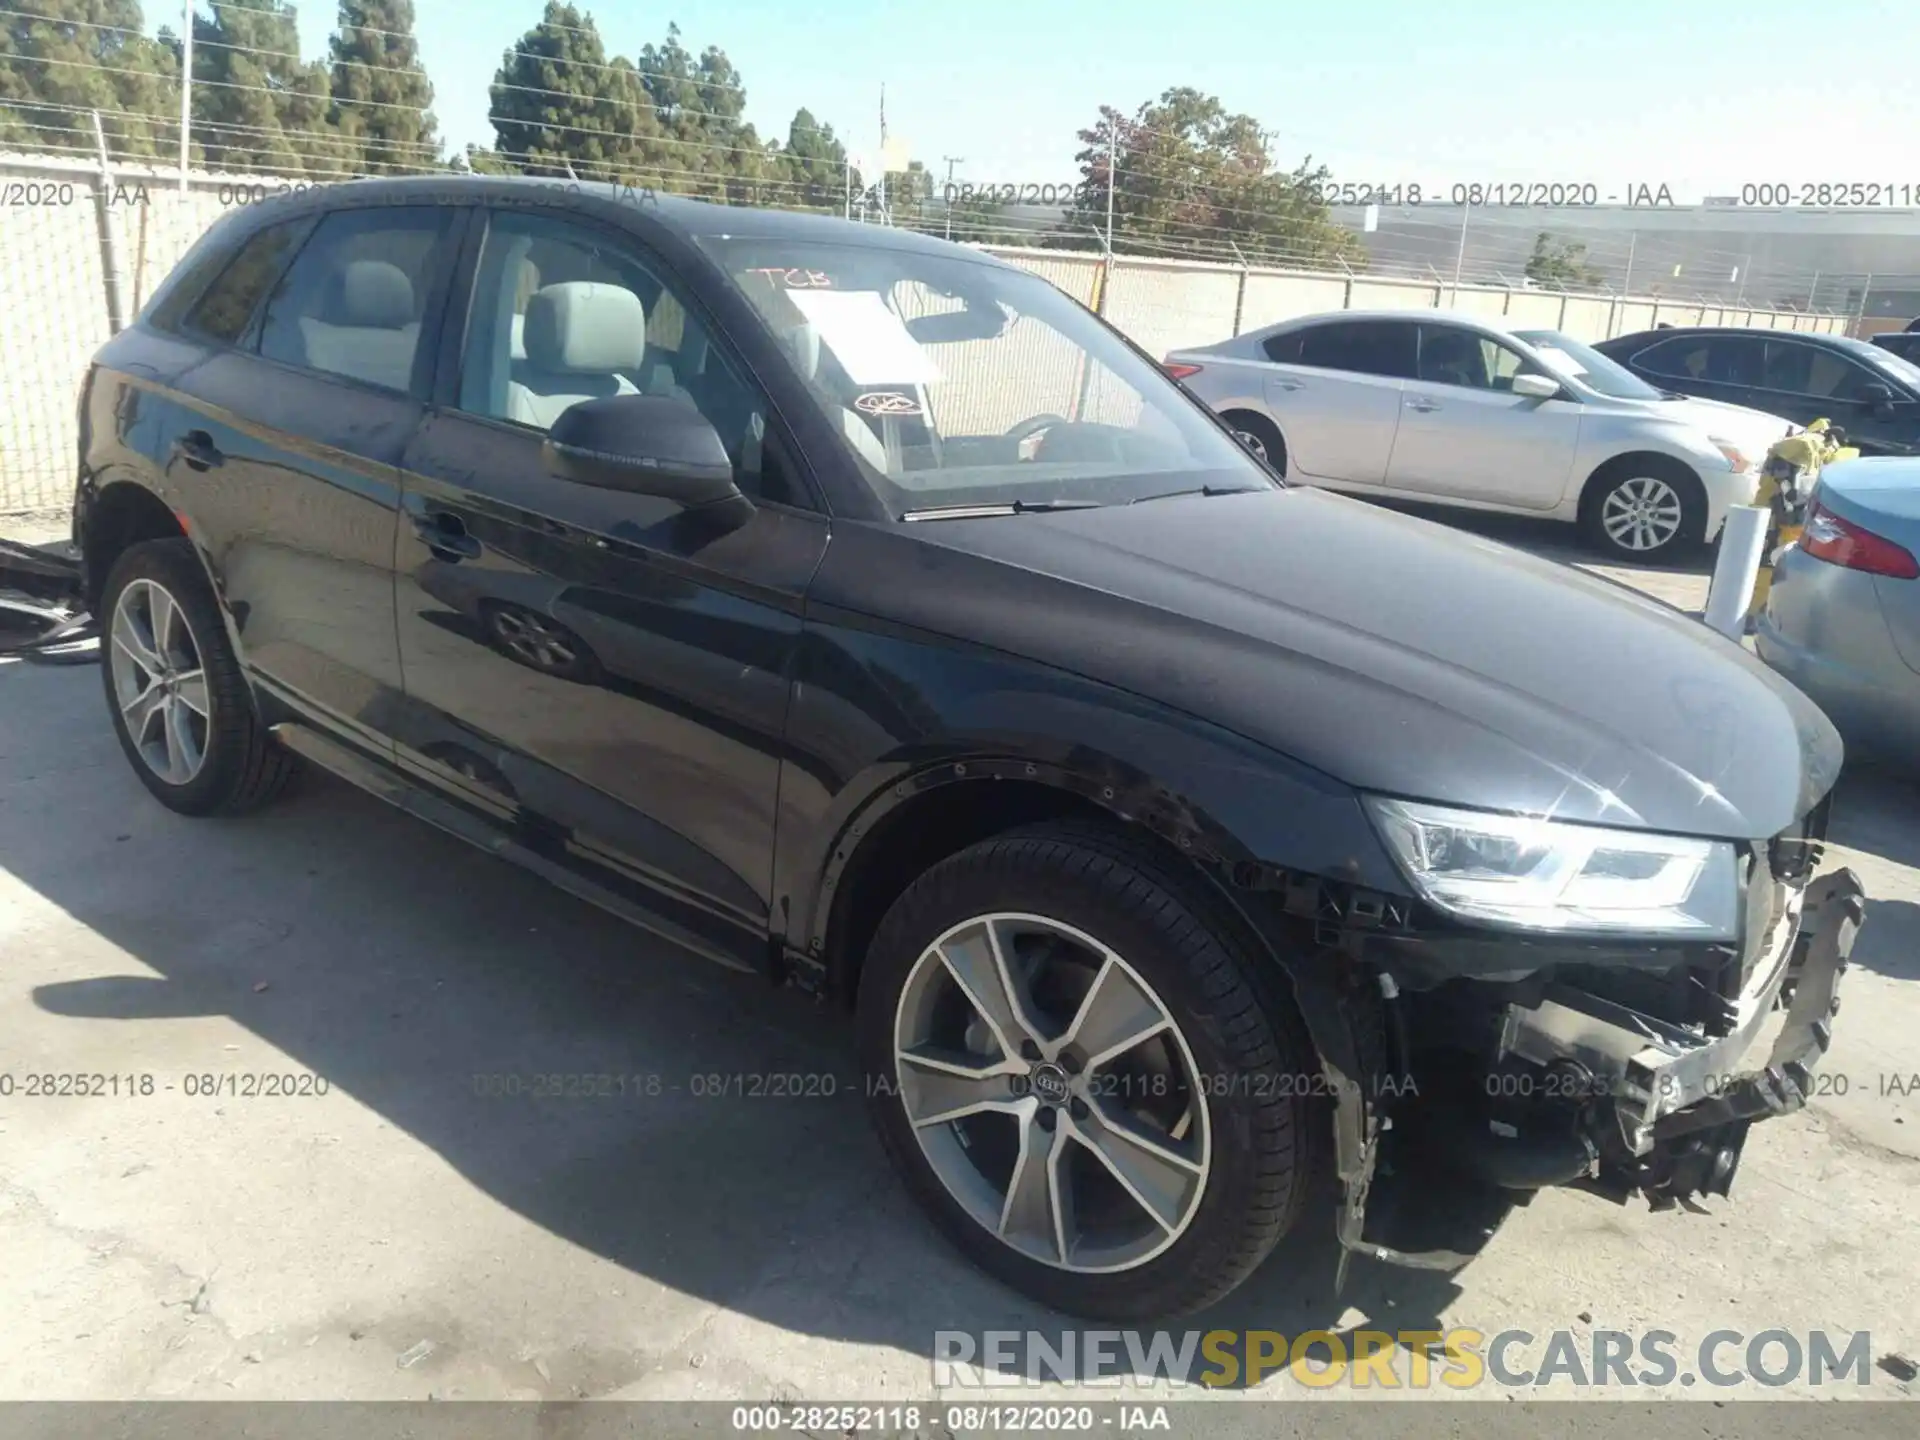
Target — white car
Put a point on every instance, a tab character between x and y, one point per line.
1431	405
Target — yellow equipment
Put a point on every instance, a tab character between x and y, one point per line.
1787	479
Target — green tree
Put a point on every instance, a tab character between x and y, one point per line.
257	107
698	104
1188	176
71	57
1561	264
558	101
977	220
382	101
816	165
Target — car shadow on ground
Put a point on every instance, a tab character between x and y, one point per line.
401	965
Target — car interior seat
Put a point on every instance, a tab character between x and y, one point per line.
583	341
1453	357
365	326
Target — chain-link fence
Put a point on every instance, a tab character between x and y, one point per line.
81	252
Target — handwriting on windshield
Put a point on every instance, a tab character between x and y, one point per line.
794	279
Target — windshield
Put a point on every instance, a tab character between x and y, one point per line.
1587	365
958	382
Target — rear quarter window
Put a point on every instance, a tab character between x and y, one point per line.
227	308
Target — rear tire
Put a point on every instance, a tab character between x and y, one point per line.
181	707
1217	1084
1261	437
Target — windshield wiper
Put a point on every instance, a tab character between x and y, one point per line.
1209	490
1011	507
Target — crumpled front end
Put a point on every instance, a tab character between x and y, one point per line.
1617	1068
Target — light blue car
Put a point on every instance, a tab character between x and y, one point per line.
1842	619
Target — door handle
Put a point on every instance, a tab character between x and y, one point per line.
445	536
1424	406
196	447
1289	384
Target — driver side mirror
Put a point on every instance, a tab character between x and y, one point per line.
645	444
1878	398
1536	387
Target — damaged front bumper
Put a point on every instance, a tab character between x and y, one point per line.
1656	1107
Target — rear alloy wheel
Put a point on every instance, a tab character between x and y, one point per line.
1074	1076
1641	515
180	705
1260	437
159	681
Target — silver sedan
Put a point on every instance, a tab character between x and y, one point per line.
1439	405
1842	619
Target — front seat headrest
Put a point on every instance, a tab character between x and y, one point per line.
583	327
372	294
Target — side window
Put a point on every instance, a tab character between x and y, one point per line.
225	310
1366	347
1450	355
1736	360
1285	349
1682	359
1812	370
353	300
563	312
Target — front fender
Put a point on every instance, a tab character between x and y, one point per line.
880	714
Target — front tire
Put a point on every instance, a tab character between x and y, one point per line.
179	703
1644	511
1069	1065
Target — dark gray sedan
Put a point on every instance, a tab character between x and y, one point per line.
1843	617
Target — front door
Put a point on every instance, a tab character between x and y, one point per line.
1817	380
602	673
1464	434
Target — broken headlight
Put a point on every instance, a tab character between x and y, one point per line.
1535	874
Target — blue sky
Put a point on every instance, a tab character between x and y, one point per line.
1702	95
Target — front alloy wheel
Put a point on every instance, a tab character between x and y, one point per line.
1642	514
1051	1092
1079	1069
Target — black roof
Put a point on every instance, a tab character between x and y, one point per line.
690	217
1681	332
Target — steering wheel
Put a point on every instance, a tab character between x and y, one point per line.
1033	425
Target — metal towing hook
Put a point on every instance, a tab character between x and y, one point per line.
43	612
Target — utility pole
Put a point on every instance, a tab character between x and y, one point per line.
952	160
1626	286
1813	290
1861	318
186	89
885	218
1113	146
1740	294
1460	258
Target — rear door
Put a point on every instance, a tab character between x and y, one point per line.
1464	434
601	674
1336	390
288	440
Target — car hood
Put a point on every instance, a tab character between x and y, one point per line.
1754	431
1396	655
